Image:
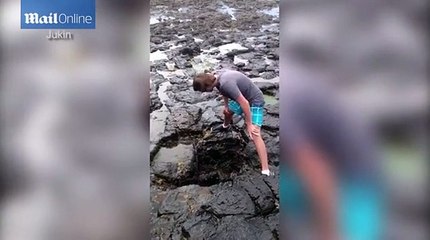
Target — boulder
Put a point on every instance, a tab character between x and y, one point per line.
174	164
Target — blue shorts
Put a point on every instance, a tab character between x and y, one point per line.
360	206
257	112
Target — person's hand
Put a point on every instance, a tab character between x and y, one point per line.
252	130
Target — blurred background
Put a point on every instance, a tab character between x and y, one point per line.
375	54
74	125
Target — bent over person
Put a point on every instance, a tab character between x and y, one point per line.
241	97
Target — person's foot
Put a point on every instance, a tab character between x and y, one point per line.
267	172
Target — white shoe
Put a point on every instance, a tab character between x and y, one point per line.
267	172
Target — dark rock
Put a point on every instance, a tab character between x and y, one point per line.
163	226
203	226
238	228
214	52
272	182
237	52
221	57
265	87
273	56
271	123
185	200
272	221
178	80
271	68
247	56
272	109
188	65
159	65
247	67
184	119
265	231
187	51
259	192
176	208
184	93
212	112
174	164
272	145
220	154
268	75
155	102
240	64
253	73
259	66
156	40
230	201
180	63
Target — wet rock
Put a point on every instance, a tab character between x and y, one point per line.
247	56
234	227
156	40
178	80
240	64
272	145
237	52
194	50
190	72
271	123
203	226
265	231
220	154
258	66
253	74
163	227
273	56
159	65
230	201
181	63
272	109
272	182
272	221
185	200
259	192
211	112
177	207
267	87
155	102
268	75
271	68
184	119
183	92
174	164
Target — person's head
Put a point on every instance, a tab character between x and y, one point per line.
204	82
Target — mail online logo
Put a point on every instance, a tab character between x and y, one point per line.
58	14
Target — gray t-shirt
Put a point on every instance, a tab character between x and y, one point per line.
311	113
231	83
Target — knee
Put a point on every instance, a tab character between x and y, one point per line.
256	134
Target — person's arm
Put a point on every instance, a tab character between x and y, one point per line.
319	180
225	102
244	104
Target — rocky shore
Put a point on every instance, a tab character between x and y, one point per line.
207	184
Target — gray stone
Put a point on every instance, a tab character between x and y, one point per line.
174	163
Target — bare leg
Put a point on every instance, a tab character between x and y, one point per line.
261	150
